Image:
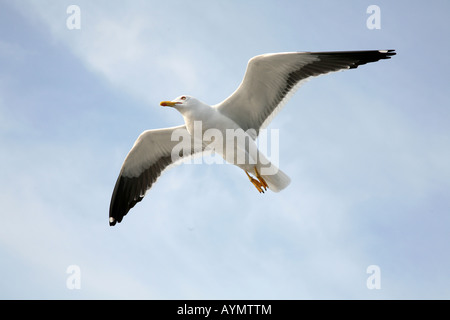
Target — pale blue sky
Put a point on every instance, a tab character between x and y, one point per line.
367	151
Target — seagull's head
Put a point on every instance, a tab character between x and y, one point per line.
180	103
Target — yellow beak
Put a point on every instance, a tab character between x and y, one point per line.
168	103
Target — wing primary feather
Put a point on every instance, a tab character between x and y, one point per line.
149	157
271	79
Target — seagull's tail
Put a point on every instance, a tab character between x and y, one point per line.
277	179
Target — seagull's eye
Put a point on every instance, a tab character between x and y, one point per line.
183	98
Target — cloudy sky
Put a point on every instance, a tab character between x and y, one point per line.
367	151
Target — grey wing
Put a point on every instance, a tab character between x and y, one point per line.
271	79
150	155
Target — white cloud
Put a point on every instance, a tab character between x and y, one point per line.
130	47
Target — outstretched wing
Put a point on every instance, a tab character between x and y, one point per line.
271	79
151	154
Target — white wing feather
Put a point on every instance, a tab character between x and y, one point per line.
271	79
150	155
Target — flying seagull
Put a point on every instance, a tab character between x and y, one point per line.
269	81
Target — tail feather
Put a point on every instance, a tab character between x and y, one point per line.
277	181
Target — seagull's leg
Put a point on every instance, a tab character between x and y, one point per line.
255	182
261	180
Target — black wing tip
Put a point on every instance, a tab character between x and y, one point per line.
113	221
371	56
119	209
388	53
353	59
129	191
116	206
116	217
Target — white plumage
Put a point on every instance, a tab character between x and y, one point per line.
270	80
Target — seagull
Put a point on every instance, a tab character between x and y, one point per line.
269	81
